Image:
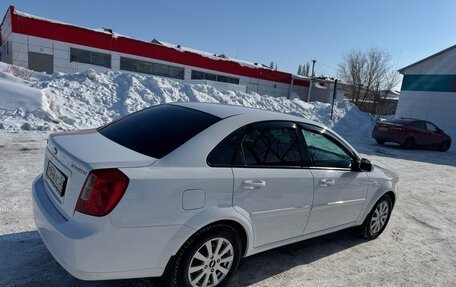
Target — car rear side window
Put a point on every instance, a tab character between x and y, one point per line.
419	125
158	130
272	145
228	152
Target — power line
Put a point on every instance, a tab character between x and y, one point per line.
325	72
329	66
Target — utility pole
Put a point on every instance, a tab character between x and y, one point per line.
309	90
313	68
334	97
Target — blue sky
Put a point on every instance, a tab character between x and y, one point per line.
286	32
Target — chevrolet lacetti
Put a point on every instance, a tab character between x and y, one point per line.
183	191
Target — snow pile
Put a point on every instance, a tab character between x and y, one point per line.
18	97
91	99
20	101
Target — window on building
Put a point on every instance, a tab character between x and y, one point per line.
161	70
177	73
233	80
128	65
210	77
90	57
144	67
222	79
156	69
5	49
198	75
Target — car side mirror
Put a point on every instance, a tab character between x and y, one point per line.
365	165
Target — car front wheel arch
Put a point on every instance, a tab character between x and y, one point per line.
392	196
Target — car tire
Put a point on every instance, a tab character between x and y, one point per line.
218	265
378	218
444	146
409	143
380	142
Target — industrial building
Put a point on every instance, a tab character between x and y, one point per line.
50	46
428	90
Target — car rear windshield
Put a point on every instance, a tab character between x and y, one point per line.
158	130
398	121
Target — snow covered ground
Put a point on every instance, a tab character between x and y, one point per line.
416	249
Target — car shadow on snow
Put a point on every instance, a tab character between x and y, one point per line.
25	261
268	264
419	154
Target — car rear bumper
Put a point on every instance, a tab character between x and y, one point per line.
387	137
90	248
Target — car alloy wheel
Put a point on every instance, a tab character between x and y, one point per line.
444	146
379	218
209	258
211	263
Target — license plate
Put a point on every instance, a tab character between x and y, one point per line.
56	177
383	129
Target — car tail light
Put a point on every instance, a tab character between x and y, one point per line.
397	129
101	192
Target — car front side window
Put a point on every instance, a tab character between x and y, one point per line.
325	152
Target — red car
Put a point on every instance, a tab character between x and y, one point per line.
411	133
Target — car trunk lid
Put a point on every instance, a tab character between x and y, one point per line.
71	156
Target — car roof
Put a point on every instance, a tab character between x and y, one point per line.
401	120
225	111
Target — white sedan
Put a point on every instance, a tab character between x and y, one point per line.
185	190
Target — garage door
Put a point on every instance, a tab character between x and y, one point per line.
41	62
253	88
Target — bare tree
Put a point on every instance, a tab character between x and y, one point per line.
368	73
378	64
351	71
306	69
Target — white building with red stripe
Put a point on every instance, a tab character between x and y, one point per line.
50	46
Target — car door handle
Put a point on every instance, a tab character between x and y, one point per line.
253	184
326	182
